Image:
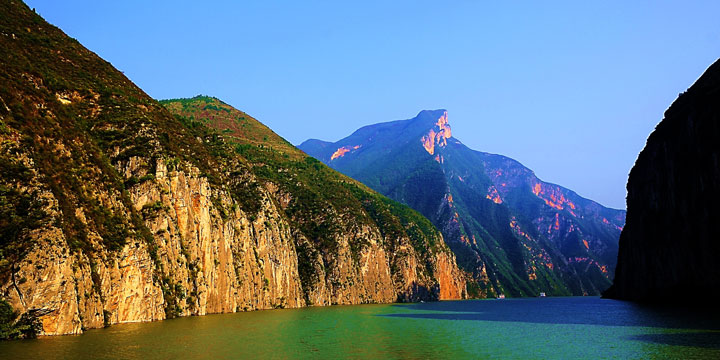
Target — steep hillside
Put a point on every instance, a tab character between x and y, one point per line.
113	210
670	246
517	235
324	205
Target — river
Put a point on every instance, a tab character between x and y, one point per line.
534	328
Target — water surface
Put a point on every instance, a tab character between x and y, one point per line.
543	328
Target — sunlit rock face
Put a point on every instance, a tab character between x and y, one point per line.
492	194
553	197
340	152
438	135
515	233
670	246
117	208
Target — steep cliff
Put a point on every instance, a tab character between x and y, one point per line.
516	234
113	210
670	245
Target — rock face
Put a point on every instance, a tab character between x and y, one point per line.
670	245
113	210
516	234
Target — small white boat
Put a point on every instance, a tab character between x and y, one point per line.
542	294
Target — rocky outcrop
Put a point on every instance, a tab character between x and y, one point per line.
437	135
207	264
671	242
113	210
203	264
450	280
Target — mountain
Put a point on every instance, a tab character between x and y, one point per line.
670	246
516	234
113	209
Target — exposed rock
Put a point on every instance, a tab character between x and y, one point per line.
514	233
112	210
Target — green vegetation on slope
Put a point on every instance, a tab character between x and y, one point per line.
71	125
68	121
16	326
515	237
324	203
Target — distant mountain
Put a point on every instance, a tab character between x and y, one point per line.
670	247
517	234
116	208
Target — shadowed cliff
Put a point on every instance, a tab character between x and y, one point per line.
670	245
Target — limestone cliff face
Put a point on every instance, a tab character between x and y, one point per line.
671	242
450	279
204	264
221	265
115	210
207	264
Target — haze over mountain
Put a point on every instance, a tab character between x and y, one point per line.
517	234
115	208
670	246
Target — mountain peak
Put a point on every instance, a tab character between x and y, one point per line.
513	232
424	114
438	133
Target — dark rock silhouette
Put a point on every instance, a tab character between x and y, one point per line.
670	245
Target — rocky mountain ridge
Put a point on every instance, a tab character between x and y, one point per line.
517	234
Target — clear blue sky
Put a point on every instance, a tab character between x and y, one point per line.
571	89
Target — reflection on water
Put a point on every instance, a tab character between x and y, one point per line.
570	310
710	340
512	328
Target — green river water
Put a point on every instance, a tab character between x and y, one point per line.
540	328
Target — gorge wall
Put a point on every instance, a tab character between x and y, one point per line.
670	245
114	210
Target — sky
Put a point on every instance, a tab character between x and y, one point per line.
571	89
